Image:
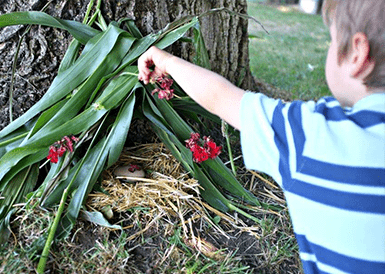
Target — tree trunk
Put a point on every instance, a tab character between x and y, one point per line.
225	36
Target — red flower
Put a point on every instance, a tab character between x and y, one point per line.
61	151
60	147
209	149
75	139
164	83
212	149
193	140
67	142
53	155
199	154
195	136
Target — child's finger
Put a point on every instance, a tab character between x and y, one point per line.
144	64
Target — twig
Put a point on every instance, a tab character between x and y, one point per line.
263	179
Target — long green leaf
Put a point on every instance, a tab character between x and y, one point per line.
11	158
119	131
117	89
132	28
162	40
46	116
80	31
179	150
25	162
186	107
58	172
225	178
70	56
174	31
13	140
139	47
151	112
78	100
5	230
201	57
179	126
89	173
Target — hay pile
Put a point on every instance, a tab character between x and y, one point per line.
169	195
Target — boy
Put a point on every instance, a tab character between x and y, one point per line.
329	156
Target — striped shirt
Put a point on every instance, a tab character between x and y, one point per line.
330	162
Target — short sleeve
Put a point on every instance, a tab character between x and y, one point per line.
257	135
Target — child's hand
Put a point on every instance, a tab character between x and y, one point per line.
153	57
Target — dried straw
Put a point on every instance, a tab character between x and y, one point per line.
168	192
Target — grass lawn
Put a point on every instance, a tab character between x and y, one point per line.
292	56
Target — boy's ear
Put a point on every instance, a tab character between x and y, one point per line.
362	66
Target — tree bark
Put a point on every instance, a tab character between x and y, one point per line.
225	36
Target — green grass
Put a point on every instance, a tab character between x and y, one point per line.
292	56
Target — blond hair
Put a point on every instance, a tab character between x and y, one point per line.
366	16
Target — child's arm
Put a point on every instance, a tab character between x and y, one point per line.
210	90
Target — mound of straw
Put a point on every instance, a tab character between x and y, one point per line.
167	192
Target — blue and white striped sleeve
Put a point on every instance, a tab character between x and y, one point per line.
331	164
